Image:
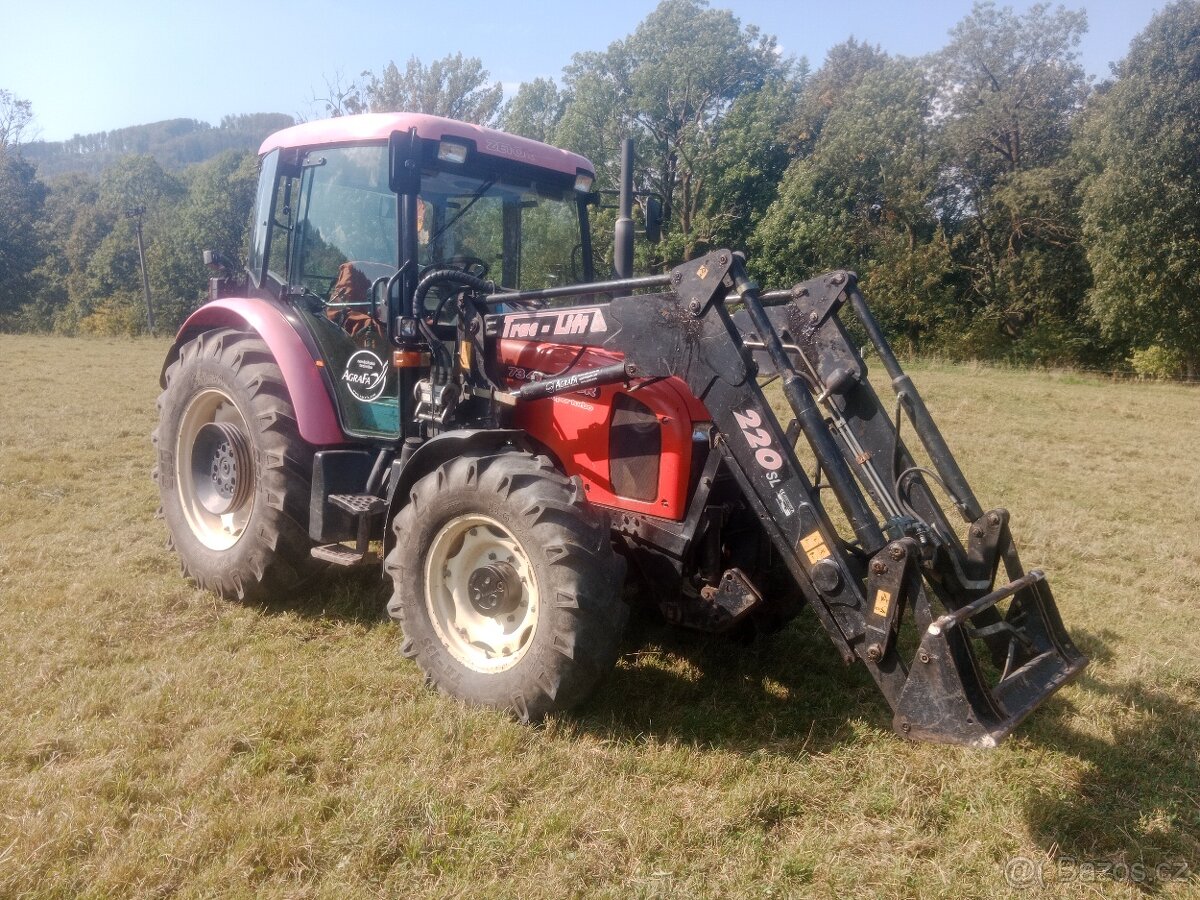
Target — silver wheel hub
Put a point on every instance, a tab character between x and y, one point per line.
481	593
214	469
221	467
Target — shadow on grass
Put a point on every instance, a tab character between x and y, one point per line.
788	691
1132	817
355	595
1134	814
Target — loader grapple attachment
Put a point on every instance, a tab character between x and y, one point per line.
946	698
976	673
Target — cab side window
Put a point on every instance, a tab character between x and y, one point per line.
348	215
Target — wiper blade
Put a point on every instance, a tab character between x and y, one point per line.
483	189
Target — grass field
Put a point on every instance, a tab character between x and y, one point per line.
156	741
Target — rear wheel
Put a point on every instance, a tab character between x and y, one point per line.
506	584
234	475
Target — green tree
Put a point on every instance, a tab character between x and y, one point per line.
138	180
842	71
454	86
75	224
70	233
863	199
213	215
1010	87
22	197
1141	207
535	110
15	117
669	84
750	154
104	285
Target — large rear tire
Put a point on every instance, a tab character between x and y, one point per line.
506	584
234	475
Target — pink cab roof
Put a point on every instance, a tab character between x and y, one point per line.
379	126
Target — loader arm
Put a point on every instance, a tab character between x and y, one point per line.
902	560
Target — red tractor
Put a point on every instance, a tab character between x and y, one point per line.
419	353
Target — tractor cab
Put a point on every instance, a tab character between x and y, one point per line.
352	212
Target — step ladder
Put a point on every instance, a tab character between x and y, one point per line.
364	508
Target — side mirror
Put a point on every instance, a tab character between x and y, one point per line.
654	219
216	261
404	155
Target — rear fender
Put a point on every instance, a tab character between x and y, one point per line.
311	397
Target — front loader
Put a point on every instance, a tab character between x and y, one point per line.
521	451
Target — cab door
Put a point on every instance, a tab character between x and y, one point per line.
344	249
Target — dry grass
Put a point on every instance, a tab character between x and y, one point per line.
156	741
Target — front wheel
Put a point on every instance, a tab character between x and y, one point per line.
506	584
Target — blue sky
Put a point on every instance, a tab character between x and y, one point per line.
96	65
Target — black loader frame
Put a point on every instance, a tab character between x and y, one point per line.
976	672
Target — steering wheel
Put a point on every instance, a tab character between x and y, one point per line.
472	265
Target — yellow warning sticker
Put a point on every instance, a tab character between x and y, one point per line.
814	547
883	600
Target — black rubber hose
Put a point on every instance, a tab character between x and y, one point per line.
454	276
427	282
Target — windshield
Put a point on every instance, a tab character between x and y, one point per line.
521	236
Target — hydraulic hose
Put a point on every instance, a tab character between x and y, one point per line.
454	276
427	283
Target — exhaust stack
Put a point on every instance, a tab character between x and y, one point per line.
623	233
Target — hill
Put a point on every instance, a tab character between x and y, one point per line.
174	143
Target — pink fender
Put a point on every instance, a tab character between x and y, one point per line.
315	413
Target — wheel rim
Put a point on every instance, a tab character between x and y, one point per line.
214	469
481	594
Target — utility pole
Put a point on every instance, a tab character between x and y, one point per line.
136	214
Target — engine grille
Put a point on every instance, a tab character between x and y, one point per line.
634	449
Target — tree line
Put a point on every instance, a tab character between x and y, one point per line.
996	203
175	144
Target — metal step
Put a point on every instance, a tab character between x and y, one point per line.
359	504
341	555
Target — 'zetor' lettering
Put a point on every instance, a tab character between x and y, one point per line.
759	439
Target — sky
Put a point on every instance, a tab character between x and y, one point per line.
104	64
